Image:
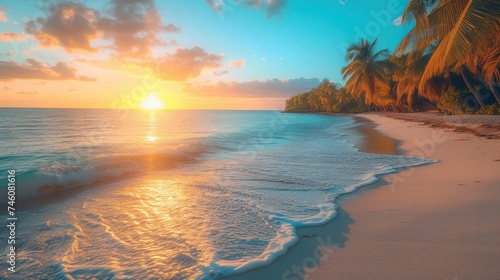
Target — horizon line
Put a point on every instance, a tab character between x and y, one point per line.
101	108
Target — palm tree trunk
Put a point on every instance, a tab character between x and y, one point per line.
465	77
491	85
495	93
359	104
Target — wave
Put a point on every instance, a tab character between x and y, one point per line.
62	176
286	237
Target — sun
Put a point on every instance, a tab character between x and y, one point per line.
151	103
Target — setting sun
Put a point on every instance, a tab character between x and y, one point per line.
210	140
151	103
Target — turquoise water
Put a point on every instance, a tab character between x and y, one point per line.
115	194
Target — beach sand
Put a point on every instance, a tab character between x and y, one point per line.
439	221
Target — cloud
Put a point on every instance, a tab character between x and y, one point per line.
71	26
216	5
3	17
253	3
271	7
237	63
270	88
64	71
132	27
274	7
398	21
186	63
220	73
34	69
86	79
27	92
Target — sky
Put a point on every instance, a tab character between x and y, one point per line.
189	54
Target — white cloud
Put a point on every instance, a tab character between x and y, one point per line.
270	7
398	21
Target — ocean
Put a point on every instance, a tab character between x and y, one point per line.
137	194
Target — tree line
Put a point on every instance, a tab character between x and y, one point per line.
449	60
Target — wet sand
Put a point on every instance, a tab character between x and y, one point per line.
373	141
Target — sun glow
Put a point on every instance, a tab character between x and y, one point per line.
151	103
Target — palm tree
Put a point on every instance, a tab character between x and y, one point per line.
407	75
326	91
366	70
485	63
456	28
386	101
343	97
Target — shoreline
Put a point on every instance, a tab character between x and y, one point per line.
381	232
373	141
366	138
433	222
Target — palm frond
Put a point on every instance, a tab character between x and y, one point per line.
477	20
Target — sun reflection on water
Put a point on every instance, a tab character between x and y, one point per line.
155	220
151	133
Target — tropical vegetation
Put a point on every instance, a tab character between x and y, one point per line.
449	61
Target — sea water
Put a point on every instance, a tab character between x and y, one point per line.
132	194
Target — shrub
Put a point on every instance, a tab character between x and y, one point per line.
453	102
493	109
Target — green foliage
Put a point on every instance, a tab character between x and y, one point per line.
493	109
348	107
340	108
299	103
366	71
320	99
327	97
453	102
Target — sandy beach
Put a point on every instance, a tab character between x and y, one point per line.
433	222
438	221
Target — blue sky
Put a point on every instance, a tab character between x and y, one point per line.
304	39
279	47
